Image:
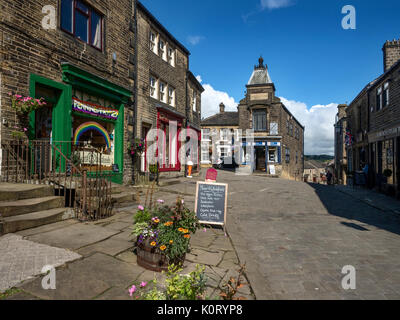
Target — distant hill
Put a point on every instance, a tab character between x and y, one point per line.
321	157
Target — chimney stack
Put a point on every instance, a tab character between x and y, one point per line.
391	53
221	108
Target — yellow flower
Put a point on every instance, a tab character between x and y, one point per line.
171	241
187	236
157	220
162	248
153	244
185	230
181	230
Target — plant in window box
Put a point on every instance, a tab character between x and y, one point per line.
23	106
163	234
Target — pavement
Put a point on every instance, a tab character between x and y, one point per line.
101	263
294	238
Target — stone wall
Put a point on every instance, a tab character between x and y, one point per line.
28	48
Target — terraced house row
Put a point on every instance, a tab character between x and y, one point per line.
108	72
368	130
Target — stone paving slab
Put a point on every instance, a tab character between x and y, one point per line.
87	279
22	259
75	236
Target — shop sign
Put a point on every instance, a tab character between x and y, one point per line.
88	158
94	110
259	144
274	144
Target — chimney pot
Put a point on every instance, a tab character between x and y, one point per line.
221	107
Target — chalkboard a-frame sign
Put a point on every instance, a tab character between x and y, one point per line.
211	203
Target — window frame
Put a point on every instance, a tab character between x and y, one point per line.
171	96
88	15
171	58
155	94
164	94
154	43
263	114
385	95
379	99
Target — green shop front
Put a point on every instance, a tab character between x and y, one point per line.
84	116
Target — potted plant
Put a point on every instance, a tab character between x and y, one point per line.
163	234
153	169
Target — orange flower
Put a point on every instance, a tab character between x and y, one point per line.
153	244
162	248
169	223
181	230
187	236
185	230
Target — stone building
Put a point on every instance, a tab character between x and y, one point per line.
167	92
81	64
342	140
271	139
314	171
222	128
278	146
374	122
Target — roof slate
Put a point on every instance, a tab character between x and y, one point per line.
222	119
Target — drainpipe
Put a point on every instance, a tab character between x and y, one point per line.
136	86
187	114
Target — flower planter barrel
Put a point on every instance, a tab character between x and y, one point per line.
151	258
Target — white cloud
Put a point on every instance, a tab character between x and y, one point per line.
319	121
276	4
199	79
194	40
211	99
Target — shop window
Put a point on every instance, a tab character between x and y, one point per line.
83	22
259	120
171	96
386	94
171	56
272	154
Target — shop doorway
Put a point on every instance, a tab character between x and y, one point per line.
260	158
44	128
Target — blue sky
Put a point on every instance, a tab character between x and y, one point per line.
312	60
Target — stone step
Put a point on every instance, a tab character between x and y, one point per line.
124	198
14	208
35	219
19	191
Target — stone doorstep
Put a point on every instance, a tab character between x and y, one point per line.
14	208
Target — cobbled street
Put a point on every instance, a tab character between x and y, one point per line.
295	238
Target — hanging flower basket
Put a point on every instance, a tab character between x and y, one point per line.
23	106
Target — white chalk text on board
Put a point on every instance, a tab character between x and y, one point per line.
211	202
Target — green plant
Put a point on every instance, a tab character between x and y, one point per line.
9	292
139	228
230	288
185	287
25	105
387	173
153	168
176	287
143	215
168	229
